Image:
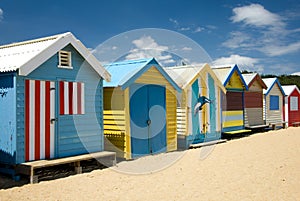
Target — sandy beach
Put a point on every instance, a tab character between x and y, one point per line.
263	166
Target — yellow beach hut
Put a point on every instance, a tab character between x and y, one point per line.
139	109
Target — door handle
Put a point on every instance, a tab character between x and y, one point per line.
148	122
52	121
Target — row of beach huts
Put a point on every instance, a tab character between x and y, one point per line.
57	101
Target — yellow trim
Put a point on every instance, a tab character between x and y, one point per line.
232	113
233	123
113	112
113	127
218	109
127	125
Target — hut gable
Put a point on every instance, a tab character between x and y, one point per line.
231	77
29	55
254	82
141	70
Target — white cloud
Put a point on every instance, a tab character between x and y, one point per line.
198	29
237	39
277	50
147	47
256	15
245	63
1	14
187	49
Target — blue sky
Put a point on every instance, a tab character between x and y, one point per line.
260	36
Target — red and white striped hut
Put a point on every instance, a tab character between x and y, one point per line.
291	105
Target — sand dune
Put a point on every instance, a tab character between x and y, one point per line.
263	166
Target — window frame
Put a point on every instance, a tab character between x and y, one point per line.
61	56
272	103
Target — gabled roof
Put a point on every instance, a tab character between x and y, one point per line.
184	76
28	55
125	73
251	77
225	72
288	89
270	82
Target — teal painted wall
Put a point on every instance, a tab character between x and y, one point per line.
195	117
7	118
212	106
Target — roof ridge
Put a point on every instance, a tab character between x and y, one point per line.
37	40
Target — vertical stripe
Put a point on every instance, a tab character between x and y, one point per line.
209	106
79	95
52	116
217	108
66	98
27	122
82	99
204	110
190	111
61	98
75	100
31	119
42	120
47	119
200	112
71	98
37	120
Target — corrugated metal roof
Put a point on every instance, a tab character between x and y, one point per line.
124	70
125	73
183	75
13	56
288	89
249	77
222	73
29	55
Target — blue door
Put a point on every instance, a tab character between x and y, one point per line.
147	119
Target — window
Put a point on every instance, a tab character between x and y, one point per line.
294	103
274	102
64	59
71	98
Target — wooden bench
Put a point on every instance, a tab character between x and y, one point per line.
106	158
273	125
296	124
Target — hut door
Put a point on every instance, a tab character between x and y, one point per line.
147	119
39	119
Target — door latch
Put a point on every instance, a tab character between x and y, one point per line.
52	121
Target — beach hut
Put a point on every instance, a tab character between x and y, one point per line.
292	105
139	109
199	105
50	100
233	101
253	100
273	102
